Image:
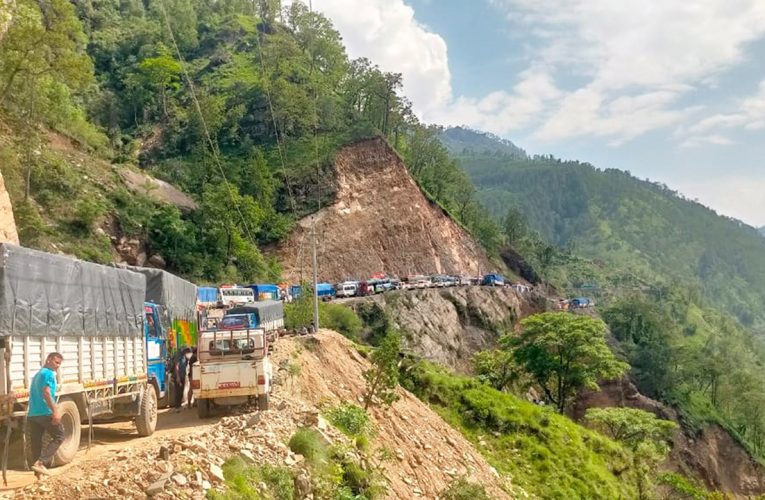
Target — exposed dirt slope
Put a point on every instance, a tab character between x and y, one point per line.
713	456
429	453
8	232
380	222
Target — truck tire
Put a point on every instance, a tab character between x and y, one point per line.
146	421
203	408
70	418
262	402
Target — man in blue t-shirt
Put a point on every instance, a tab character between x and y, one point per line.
43	416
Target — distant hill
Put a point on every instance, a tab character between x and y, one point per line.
636	225
460	140
762	230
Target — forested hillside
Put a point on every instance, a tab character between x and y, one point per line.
643	227
680	286
240	104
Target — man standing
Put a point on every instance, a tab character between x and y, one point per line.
43	416
180	366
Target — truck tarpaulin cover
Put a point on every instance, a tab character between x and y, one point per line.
176	294
268	310
51	295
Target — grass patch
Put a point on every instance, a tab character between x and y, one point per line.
546	454
309	443
243	481
462	489
352	420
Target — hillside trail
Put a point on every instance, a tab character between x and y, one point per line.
426	454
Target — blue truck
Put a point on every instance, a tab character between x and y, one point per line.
170	323
267	314
493	279
265	292
326	291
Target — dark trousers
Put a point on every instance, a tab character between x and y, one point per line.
37	427
178	395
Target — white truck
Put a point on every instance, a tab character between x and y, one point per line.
93	316
232	368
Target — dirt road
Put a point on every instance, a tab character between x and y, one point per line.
108	438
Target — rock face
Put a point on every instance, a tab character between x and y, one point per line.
449	325
8	232
380	222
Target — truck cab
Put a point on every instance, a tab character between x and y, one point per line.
156	328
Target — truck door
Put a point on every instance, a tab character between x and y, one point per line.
156	347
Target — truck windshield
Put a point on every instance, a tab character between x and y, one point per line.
233	322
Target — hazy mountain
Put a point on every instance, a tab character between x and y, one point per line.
460	140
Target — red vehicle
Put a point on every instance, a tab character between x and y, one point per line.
365	289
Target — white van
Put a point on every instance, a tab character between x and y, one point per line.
347	289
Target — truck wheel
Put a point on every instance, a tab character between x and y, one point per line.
146	421
203	408
70	419
262	402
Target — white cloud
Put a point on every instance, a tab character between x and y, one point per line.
739	197
749	114
637	63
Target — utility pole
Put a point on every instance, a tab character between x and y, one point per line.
315	280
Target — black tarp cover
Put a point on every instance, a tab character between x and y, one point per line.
176	294
42	294
267	310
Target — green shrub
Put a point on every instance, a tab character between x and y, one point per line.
341	319
243	479
461	489
350	419
310	444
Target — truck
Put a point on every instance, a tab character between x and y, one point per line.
170	309
326	291
265	292
493	279
233	295
268	315
232	368
94	316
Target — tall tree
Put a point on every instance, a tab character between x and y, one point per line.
563	354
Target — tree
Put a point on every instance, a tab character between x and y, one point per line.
382	377
564	353
644	434
496	368
515	225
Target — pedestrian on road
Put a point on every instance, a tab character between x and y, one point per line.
192	360
44	416
179	376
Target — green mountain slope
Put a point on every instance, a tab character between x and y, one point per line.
633	224
461	140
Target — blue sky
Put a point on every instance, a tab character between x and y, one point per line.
670	90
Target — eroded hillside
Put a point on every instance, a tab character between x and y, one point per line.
380	221
450	325
7	224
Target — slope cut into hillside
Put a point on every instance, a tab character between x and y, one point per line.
8	232
380	222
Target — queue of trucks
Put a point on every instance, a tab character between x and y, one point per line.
119	330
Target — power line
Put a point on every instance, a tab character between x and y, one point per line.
213	147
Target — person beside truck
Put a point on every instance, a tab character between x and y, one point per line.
43	415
